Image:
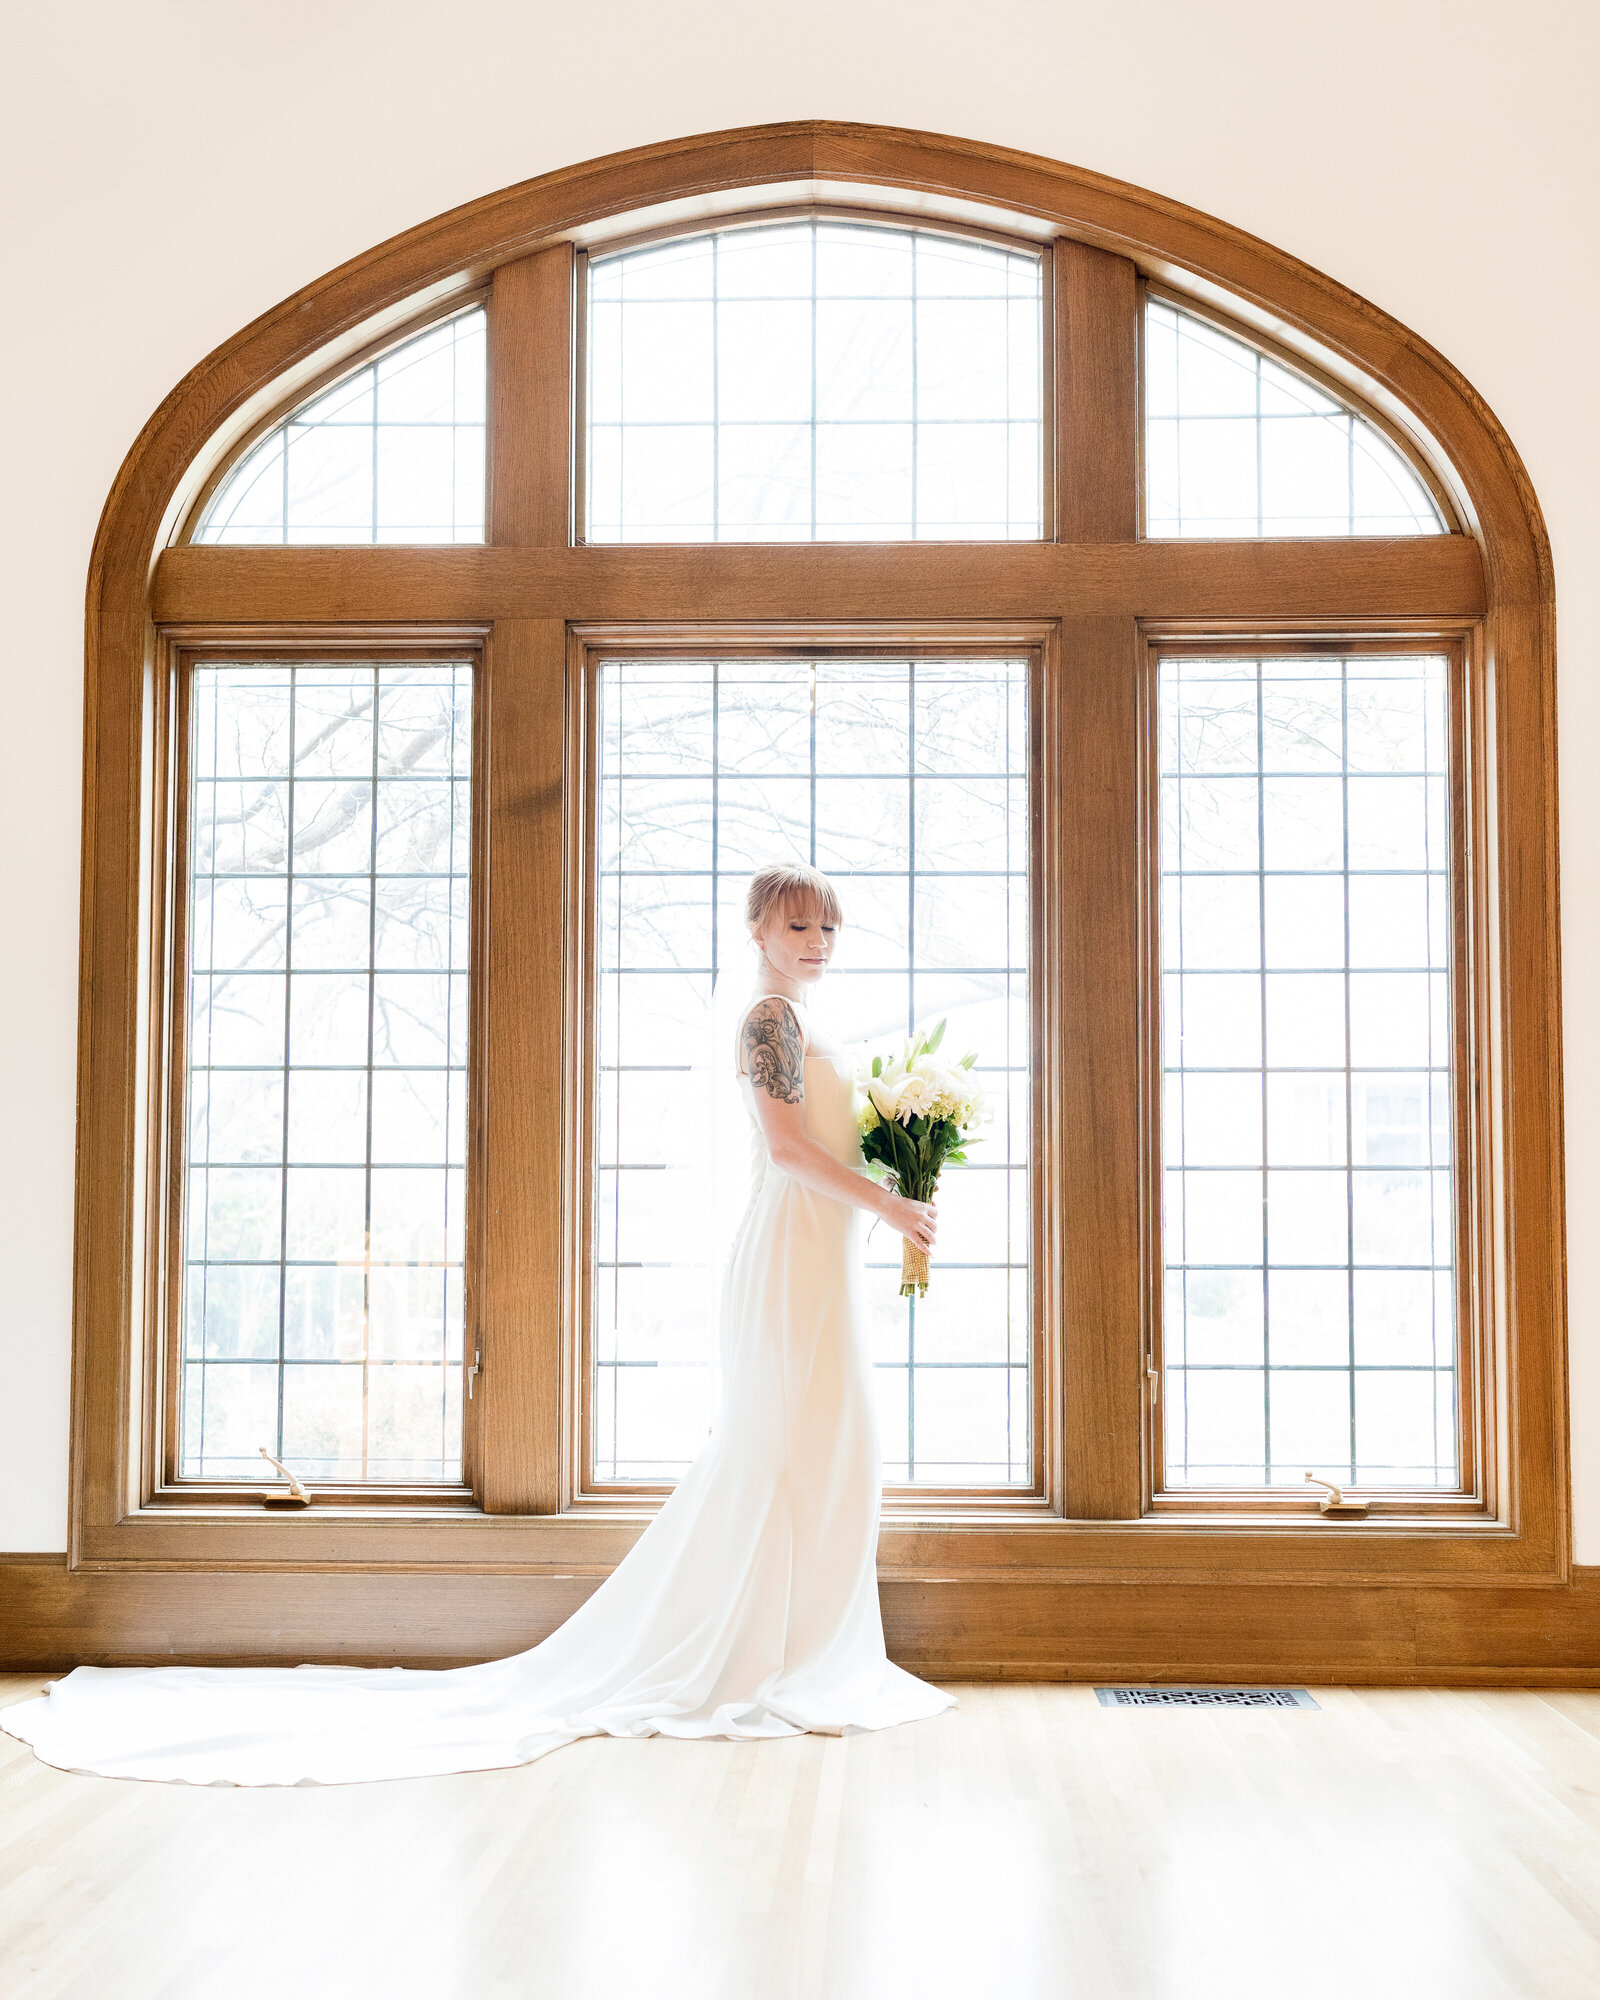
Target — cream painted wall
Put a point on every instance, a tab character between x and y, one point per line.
171	168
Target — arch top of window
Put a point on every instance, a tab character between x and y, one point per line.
916	410
814	377
1245	439
388	450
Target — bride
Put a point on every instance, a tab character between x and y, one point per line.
749	1606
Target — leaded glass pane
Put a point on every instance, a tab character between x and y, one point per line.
327	1081
814	381
393	453
1306	1130
1237	444
907	781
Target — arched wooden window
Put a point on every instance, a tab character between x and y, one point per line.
1199	773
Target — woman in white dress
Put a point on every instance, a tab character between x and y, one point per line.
749	1606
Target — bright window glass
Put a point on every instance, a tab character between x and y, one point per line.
327	1047
906	781
1238	444
814	381
1306	948
393	453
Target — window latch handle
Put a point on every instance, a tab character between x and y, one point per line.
475	1370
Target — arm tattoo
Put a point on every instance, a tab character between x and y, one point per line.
774	1052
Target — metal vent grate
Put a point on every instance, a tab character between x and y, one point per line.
1203	1697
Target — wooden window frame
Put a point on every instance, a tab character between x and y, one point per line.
592	647
1103	597
1475	1500
162	1485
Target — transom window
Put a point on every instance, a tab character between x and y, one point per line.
1238	443
815	381
392	453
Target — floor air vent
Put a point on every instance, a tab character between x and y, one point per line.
1203	1697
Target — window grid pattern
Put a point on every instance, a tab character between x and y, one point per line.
907	782
1236	444
393	453
815	381
1306	949
327	1083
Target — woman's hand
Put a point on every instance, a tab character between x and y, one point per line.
917	1221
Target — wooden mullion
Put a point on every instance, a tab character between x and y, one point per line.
1260	584
1096	394
1098	838
1097	845
530	401
520	1313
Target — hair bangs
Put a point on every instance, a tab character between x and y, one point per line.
794	890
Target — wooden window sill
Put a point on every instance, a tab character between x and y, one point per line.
1018	1545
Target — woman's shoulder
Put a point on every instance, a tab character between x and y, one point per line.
774	1024
774	1013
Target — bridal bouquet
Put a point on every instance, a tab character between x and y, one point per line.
915	1119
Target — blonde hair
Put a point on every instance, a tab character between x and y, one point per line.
788	886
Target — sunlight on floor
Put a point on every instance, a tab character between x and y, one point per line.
1397	1842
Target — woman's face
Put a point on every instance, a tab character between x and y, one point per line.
798	944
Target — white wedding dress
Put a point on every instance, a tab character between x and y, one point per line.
749	1606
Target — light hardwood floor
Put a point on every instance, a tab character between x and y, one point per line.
1398	1843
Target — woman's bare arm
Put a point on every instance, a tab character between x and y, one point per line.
774	1056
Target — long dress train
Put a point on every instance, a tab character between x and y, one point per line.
749	1606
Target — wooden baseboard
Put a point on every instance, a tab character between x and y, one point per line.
1523	1636
1028	1629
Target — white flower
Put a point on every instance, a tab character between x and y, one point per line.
919	1092
925	1087
886	1092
